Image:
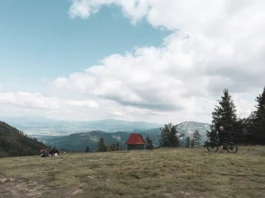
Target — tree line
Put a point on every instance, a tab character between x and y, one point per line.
249	130
102	147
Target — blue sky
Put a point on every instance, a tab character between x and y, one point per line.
96	59
40	41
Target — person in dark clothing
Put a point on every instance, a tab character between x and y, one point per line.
222	134
44	152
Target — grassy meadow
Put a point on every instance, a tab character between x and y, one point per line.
159	173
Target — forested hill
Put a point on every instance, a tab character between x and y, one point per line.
15	143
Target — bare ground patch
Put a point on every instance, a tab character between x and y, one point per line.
16	187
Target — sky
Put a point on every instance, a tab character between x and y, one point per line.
148	60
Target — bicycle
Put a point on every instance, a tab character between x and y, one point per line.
230	147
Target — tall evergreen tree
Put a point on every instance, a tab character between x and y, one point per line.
224	114
259	123
169	136
249	126
211	134
197	138
192	143
87	149
240	131
188	142
101	145
117	146
149	143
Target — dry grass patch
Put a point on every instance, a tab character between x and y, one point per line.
157	173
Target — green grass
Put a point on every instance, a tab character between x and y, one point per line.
157	173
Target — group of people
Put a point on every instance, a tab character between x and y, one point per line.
44	152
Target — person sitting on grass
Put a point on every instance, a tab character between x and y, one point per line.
222	134
44	152
54	152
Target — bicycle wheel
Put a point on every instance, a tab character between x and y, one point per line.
212	147
231	147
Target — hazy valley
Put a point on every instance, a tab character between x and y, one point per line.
75	136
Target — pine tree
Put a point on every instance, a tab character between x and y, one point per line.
169	136
117	146
101	145
224	114
259	123
192	143
149	143
87	149
197	138
211	134
240	131
188	142
249	126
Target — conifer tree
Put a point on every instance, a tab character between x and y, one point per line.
101	145
197	138
225	115
87	149
117	146
169	136
211	134
192	143
149	143
259	122
188	142
240	131
249	126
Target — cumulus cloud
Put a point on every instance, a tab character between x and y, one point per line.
25	103
36	102
136	9
83	103
214	45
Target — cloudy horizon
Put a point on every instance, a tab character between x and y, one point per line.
149	60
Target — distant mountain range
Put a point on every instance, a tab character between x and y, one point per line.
44	126
79	141
75	135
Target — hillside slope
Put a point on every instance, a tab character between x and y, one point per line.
15	143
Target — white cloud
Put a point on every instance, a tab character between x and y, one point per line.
34	100
83	103
214	45
36	103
